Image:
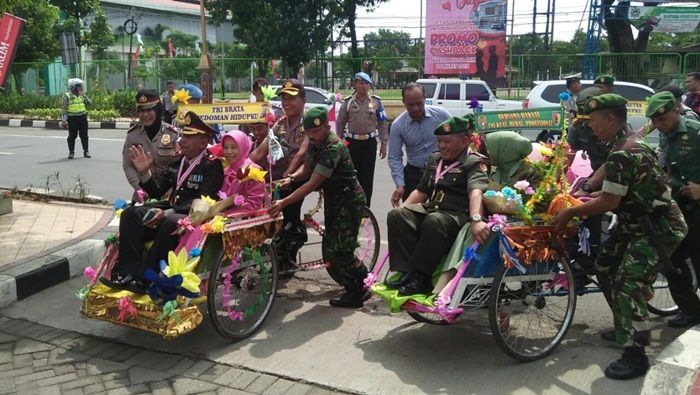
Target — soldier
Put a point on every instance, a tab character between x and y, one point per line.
157	138
365	119
605	83
74	116
328	166
193	174
682	153
167	100
650	226
449	194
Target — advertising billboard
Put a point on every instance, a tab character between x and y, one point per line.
10	29
665	19
466	37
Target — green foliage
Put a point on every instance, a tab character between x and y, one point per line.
123	102
183	43
13	103
387	44
100	37
37	43
55	113
179	69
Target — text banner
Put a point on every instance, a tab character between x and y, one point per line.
549	118
225	113
10	29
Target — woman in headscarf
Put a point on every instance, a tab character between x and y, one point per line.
507	152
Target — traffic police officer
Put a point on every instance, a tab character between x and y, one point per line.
650	226
74	116
328	166
449	194
682	153
365	119
157	138
193	174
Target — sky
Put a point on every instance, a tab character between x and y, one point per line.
404	15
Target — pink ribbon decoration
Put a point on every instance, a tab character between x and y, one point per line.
126	309
498	219
370	280
141	195
227	283
235	315
185	223
90	273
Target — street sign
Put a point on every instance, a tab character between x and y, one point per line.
69	50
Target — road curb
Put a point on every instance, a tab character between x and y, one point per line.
676	366
53	124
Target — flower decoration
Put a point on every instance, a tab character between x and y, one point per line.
169	310
82	293
564	96
217	224
238	200
222	195
181	96
120	204
525	187
208	200
185	223
195	252
141	195
126	309
268	92
90	273
180	265
254	174
118	213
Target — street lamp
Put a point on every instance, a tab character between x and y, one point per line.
205	67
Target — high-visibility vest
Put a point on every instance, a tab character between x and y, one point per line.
76	105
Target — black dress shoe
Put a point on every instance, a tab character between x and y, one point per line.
86	154
609	335
419	283
353	299
398	281
71	155
127	282
682	320
634	363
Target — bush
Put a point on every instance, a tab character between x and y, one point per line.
12	103
123	102
55	113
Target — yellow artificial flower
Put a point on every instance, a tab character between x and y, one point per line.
217	224
118	213
179	264
181	96
255	174
209	200
546	151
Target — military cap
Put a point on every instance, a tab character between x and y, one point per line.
195	125
586	94
604	101
605	79
364	77
572	77
292	87
453	125
660	103
147	98
315	117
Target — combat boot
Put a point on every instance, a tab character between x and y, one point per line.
634	363
351	298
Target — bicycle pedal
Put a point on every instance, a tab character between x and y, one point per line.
313	265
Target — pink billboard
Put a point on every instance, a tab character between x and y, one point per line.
466	37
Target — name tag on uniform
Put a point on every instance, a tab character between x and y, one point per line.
196	178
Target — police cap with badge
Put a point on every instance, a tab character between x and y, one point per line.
604	102
194	125
315	117
147	99
455	125
660	103
292	87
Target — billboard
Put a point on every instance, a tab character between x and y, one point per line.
466	37
10	29
665	19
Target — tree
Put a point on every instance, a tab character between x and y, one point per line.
348	12
155	35
76	11
292	30
99	37
387	47
183	44
37	43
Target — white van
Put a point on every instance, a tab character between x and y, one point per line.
454	95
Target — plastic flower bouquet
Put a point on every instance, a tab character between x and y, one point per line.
507	201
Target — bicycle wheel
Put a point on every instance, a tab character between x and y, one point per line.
241	292
429	318
368	240
530	313
662	303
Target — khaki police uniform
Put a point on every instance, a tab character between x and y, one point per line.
161	148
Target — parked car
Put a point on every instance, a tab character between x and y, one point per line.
454	95
314	97
546	94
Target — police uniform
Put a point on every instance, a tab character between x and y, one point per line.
365	120
682	153
204	179
420	234
631	259
161	147
344	201
570	104
74	113
170	108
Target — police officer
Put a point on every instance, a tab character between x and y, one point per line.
449	194
682	153
170	109
157	138
365	119
573	87
650	227
193	174
74	116
328	166
605	83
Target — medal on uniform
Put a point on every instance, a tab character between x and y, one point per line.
165	140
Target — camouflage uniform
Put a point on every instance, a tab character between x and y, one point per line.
344	202
629	262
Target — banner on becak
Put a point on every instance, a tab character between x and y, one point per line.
466	37
551	118
665	19
225	113
10	29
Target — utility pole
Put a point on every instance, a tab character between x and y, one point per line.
205	67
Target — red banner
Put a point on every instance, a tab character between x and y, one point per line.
10	29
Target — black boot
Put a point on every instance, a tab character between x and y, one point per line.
419	283
609	335
634	363
87	154
398	280
682	320
351	298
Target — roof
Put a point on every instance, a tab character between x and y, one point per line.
158	5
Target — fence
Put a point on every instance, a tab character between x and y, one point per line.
233	75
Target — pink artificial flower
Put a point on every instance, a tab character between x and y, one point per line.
90	273
529	191
141	195
126	308
222	195
238	200
185	223
521	185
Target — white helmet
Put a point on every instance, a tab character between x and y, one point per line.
73	82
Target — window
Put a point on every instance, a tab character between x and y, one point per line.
429	89
449	92
632	93
478	91
315	97
551	93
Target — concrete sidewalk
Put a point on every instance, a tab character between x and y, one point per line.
45	243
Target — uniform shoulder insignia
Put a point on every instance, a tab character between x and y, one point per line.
136	126
376	97
478	155
349	97
693	124
170	127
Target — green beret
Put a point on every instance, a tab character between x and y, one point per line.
315	117
586	94
605	80
454	125
660	103
604	101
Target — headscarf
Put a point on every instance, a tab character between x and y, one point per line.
507	151
152	130
244	146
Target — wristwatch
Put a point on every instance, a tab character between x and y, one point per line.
586	187
476	218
